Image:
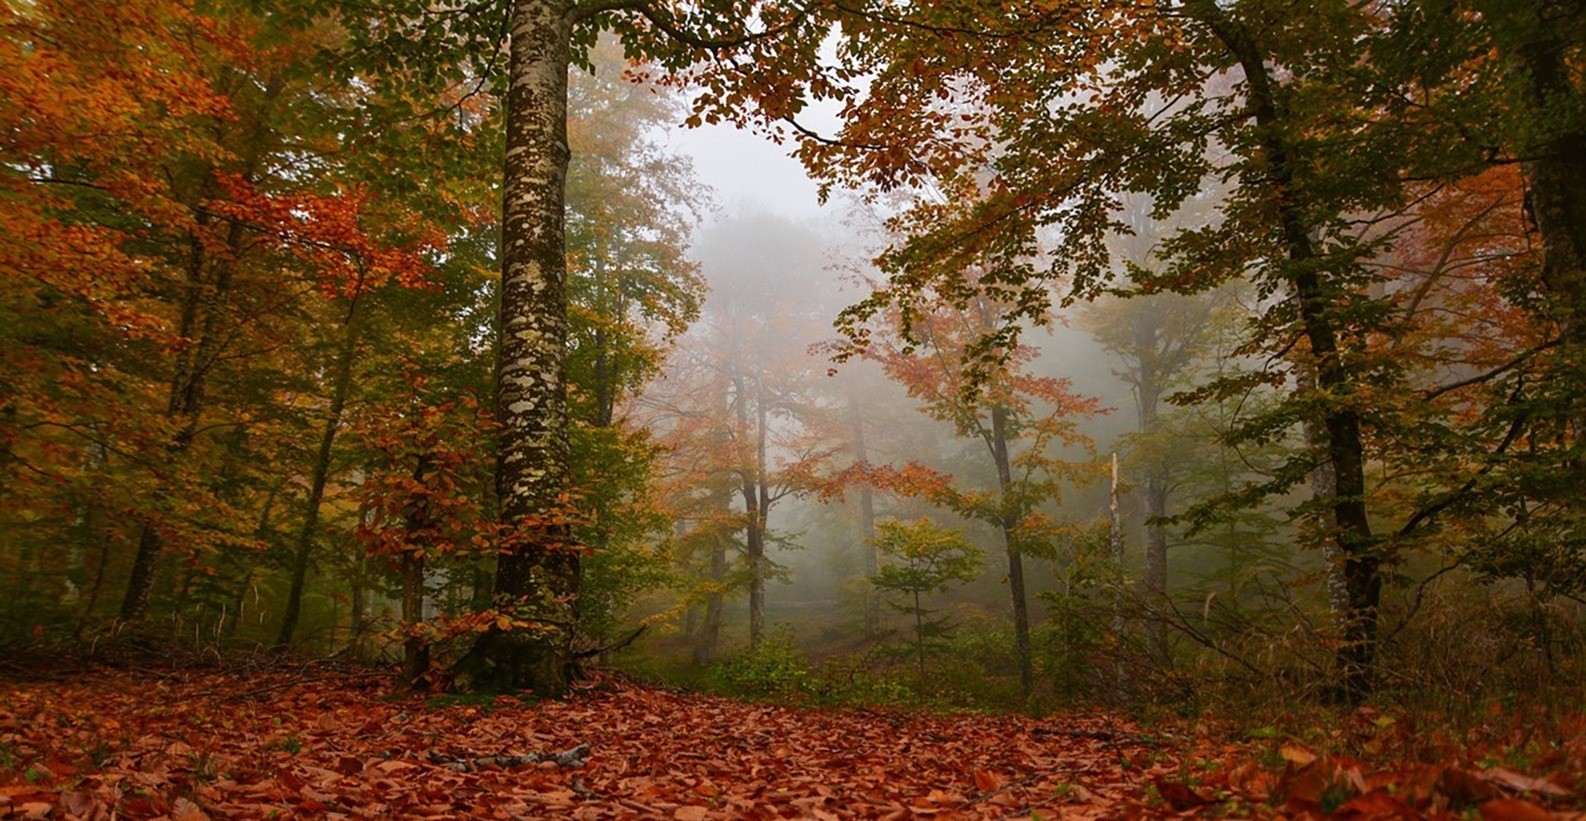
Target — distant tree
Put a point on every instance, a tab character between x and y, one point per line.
743	387
1025	422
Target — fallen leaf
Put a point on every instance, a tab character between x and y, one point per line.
1513	809
1524	783
1180	796
1296	755
987	781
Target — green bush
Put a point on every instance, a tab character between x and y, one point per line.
773	669
778	670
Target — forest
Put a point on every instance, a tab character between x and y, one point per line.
707	409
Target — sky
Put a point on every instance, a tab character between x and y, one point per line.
748	171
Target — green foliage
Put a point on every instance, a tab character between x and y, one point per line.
1081	617
774	668
922	557
777	670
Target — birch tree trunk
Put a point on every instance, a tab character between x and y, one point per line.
538	572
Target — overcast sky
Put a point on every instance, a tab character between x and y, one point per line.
748	171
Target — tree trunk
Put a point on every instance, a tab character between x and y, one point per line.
752	481
710	631
1152	373
202	309
358	621
1556	196
320	475
867	520
415	651
1340	421
1016	586
1324	488
919	637
538	570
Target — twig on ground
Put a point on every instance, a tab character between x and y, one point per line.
574	757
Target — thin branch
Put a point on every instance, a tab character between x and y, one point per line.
1433	393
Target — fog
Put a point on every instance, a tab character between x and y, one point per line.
780	266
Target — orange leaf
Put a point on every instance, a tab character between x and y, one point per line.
987	781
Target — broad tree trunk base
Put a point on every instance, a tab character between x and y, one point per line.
508	663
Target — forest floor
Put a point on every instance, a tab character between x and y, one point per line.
321	741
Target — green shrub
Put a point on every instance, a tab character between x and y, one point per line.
778	670
773	669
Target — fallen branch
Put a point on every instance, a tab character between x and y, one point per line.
577	786
618	645
574	757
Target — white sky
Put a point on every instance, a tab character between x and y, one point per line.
750	172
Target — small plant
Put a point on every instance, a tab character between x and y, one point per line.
1336	796
923	557
100	754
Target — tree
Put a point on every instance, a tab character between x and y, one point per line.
1021	419
924	557
424	500
546	38
1158	338
742	387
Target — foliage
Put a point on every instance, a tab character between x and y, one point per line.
921	557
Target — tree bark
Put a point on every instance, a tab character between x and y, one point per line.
539	569
1340	421
1323	488
415	651
320	474
1016	586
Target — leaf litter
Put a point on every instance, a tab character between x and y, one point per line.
197	744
